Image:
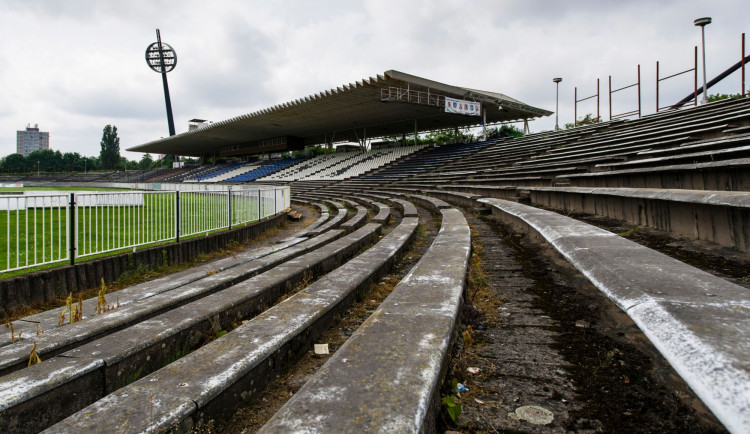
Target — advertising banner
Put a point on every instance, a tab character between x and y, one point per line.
463	107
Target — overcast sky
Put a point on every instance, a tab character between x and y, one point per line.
75	66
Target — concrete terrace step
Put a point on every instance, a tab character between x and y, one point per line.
57	340
700	323
720	217
729	174
213	380
146	346
48	320
386	377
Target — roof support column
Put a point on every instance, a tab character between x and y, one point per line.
484	122
526	129
415	133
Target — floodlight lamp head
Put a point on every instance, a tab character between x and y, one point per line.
557	80
161	57
702	21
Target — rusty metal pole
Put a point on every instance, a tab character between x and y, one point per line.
657	86
743	66
610	97
695	77
639	91
598	116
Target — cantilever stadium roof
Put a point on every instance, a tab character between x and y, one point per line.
387	105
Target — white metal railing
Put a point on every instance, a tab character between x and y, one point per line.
110	221
203	211
35	230
39	228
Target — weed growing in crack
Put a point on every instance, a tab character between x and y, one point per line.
34	357
468	336
13	338
631	233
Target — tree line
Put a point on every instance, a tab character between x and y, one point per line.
49	161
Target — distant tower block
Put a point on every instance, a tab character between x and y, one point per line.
31	140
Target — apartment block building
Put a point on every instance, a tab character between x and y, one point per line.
31	140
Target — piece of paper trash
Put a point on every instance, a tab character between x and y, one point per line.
321	349
473	370
462	388
480	402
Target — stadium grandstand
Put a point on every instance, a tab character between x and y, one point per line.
530	280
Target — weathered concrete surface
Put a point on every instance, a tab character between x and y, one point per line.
358	220
146	346
384	211
729	175
430	201
458	197
496	191
721	217
219	376
324	216
59	339
64	382
408	208
48	320
386	377
667	299
333	222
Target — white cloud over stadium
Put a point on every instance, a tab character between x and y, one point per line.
74	67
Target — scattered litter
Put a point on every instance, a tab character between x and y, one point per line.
708	294
321	349
473	370
656	292
481	327
462	388
344	360
381	283
480	402
535	414
583	324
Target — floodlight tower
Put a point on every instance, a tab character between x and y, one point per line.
162	59
702	23
557	100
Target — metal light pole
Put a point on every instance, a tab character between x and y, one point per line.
557	100
702	23
162	58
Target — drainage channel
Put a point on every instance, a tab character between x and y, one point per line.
544	352
251	417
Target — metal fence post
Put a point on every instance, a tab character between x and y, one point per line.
72	221
259	204
177	215
229	205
